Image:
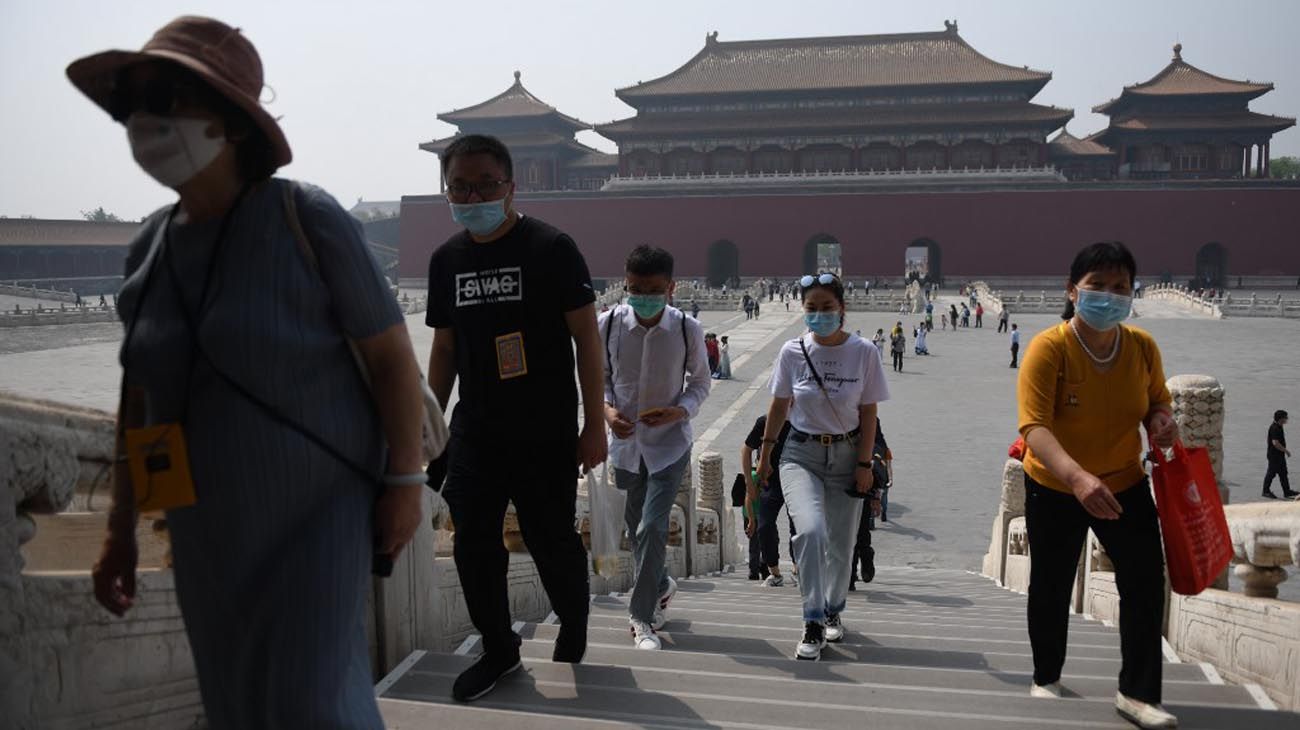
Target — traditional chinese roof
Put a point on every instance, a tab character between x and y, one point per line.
41	232
833	63
595	158
515	102
1181	78
913	116
515	141
1194	122
1068	145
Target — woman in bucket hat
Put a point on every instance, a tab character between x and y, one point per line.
243	414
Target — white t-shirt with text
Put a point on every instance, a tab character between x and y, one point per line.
851	372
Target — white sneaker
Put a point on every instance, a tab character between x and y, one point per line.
774	581
1142	714
643	636
658	621
1046	691
812	643
667	596
834	629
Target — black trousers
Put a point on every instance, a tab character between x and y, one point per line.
1057	525
755	556
477	490
771	500
1015	353
1277	468
898	361
1002	325
862	550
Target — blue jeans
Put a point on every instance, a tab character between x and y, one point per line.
813	480
649	503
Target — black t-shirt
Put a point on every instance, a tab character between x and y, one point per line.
506	302
1275	433
755	441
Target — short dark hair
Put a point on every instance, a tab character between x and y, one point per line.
836	288
479	144
649	261
1100	256
1279	415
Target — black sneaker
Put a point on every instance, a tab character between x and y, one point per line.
868	565
482	676
1268	494
834	631
814	640
570	644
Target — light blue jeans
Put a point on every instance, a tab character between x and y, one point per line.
649	503
813	480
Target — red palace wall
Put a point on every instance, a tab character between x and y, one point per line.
1004	233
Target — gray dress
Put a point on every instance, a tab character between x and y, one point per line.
272	562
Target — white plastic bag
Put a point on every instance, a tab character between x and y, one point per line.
606	504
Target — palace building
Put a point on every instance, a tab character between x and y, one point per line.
541	139
1188	123
913	101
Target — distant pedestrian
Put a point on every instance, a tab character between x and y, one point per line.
724	359
921	349
748	306
965	316
979	315
1277	456
102	303
1003	317
952	315
1015	346
878	340
695	309
756	305
897	344
943	320
714	353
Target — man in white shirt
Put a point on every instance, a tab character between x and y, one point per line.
656	377
1015	345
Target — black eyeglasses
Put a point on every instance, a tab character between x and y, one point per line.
823	279
161	96
486	189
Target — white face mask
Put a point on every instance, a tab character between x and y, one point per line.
172	149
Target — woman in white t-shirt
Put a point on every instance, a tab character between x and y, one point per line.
827	384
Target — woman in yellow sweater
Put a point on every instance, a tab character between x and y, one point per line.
1085	386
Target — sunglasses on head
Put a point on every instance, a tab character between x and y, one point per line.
824	279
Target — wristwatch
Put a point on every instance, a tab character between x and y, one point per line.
865	464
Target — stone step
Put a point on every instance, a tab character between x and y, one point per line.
672	698
1184	684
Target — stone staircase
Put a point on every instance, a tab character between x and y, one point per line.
924	649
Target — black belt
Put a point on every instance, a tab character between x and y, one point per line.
825	439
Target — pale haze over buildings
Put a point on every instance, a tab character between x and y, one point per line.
358	85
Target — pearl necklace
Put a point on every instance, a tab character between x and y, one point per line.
1100	361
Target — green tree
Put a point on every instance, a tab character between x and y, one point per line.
99	215
1284	167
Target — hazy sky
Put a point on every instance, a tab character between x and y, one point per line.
358	84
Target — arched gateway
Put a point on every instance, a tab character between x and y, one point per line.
822	252
1212	266
922	261
724	263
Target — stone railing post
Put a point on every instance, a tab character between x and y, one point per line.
712	496
1198	410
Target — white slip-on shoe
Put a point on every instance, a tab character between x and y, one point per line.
834	629
667	596
812	643
643	636
1046	691
1143	714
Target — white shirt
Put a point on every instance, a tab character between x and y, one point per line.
851	372
1015	337
647	373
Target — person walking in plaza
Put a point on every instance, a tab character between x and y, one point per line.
695	309
952	315
656	378
965	316
765	500
1003	318
1085	387
285	476
827	384
511	302
897	346
920	347
864	554
979	314
1015	345
879	341
713	352
724	359
1277	456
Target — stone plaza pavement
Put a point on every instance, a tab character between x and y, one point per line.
949	422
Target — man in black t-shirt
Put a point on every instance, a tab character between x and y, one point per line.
509	299
765	501
1277	456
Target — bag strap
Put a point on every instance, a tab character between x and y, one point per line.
609	361
820	385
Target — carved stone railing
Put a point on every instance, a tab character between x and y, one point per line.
1249	637
991	300
1256	306
1182	297
17	289
41	315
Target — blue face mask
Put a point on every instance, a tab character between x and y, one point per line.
822	324
647	306
1102	310
480	219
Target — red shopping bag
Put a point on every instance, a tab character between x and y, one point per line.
1197	544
